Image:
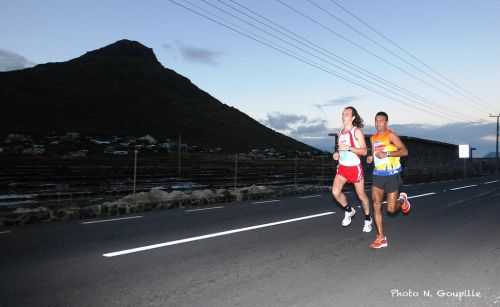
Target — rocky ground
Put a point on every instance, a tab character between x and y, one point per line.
155	199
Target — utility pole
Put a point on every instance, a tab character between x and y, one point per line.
179	166
496	164
335	140
235	171
322	172
295	173
135	169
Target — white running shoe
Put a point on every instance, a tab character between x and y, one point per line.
347	217
367	227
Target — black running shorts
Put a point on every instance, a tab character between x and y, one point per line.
388	183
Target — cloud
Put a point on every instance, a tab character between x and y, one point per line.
194	54
200	55
467	133
167	46
280	121
336	102
477	134
489	138
480	135
314	132
12	61
313	129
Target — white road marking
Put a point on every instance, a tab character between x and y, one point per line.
310	196
4	232
204	209
212	235
464	187
422	195
266	201
494	181
417	196
112	220
497	300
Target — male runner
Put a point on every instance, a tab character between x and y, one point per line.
351	145
387	148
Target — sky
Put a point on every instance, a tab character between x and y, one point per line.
286	66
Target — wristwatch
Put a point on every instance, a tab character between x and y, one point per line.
388	153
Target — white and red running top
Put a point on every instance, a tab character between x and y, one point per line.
348	158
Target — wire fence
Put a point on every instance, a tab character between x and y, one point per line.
24	182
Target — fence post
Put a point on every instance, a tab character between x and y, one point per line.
235	171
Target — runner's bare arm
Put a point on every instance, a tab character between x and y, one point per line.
361	151
402	150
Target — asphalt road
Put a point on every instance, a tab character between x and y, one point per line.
279	252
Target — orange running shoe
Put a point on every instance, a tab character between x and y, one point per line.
379	242
405	206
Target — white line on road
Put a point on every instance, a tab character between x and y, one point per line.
422	195
4	232
266	201
464	187
112	220
212	235
417	196
497	300
494	181
310	196
204	209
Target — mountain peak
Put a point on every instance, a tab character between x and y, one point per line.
122	89
123	48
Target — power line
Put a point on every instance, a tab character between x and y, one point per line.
289	53
414	57
363	48
385	48
413	97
